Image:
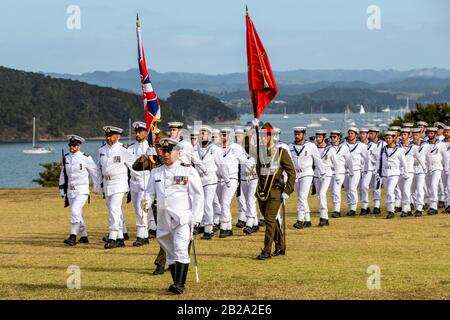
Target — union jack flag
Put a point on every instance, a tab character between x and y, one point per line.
152	109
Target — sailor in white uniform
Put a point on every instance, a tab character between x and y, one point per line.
406	179
391	161
242	202
344	166
441	191
74	175
418	186
329	160
374	153
114	160
435	165
447	168
179	193
360	157
367	182
216	203
138	184
305	155
210	156
232	155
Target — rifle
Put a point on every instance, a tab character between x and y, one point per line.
66	180
129	192
378	185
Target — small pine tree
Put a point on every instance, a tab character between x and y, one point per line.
50	176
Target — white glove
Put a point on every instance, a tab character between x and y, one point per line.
284	197
144	205
61	193
255	122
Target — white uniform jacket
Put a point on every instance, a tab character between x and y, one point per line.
78	166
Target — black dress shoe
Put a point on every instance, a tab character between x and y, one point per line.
262	222
409	214
307	224
158	270
418	213
397	209
299	224
139	242
126	237
240	224
255	228
278	252
83	240
431	212
447	210
390	215
120	243
71	240
146	241
368	211
426	206
363	212
441	205
151	234
376	211
105	238
403	214
351	213
207	236
225	233
248	230
336	214
264	255
323	222
216	227
111	244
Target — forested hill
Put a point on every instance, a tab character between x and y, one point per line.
65	106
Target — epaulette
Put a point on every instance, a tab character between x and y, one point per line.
125	146
185	164
66	154
86	154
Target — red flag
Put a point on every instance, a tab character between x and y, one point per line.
261	81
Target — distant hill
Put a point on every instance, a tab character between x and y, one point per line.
290	82
442	96
191	104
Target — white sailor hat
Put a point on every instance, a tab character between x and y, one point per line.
239	131
408	125
74	139
246	129
137	125
321	132
407	130
447	128
194	134
354	129
422	123
175	124
112	130
394	128
215	132
433	129
390	133
226	130
299	129
206	128
335	131
169	144
416	130
374	129
439	124
363	130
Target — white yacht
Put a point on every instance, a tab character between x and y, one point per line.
34	148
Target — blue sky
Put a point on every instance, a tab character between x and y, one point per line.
208	36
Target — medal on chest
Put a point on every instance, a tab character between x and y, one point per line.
181	180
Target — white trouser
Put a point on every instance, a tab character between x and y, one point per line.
447	190
216	206
141	215
226	196
376	192
336	185
248	190
175	243
365	184
398	196
208	213
433	179
322	186
390	183
351	189
405	187
76	214
114	204
442	187
242	205
418	187
302	186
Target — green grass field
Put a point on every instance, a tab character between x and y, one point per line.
328	263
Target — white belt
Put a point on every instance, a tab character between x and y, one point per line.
111	178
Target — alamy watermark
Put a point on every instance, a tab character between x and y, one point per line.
374	20
74	280
73	22
374	280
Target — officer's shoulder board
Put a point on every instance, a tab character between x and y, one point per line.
185	164
86	154
125	146
66	154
